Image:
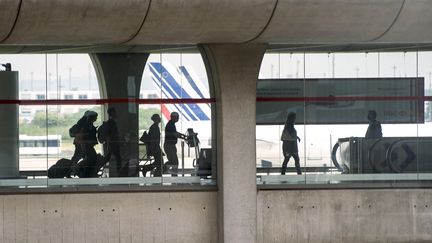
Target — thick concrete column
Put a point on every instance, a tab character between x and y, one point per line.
234	71
119	76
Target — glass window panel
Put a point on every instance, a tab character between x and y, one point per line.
75	73
291	65
34	155
398	64
355	65
151	157
393	84
270	66
176	76
44	129
318	65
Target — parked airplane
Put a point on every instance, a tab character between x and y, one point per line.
179	84
182	84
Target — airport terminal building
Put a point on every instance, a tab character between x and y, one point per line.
268	121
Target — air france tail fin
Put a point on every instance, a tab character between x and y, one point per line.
180	83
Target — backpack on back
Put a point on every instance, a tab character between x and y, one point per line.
74	130
145	138
102	132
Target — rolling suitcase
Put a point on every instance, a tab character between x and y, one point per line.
87	168
62	168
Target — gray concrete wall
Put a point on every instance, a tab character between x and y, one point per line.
109	217
378	215
375	215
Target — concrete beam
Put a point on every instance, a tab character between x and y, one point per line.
78	21
234	70
8	14
204	21
412	24
318	21
180	22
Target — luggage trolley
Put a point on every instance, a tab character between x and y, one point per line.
193	142
145	162
203	162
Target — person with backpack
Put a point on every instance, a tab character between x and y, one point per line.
108	135
76	133
152	141
84	133
89	134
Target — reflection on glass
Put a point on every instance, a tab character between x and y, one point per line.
174	77
153	152
289	143
332	110
57	91
185	144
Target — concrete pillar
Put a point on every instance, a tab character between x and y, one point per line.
9	132
119	76
234	71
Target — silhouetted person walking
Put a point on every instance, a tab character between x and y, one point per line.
289	143
153	148
171	137
78	139
112	143
85	140
85	137
374	128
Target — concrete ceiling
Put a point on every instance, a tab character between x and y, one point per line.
149	25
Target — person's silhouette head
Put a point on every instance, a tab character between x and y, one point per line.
291	117
91	116
372	115
174	116
156	118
